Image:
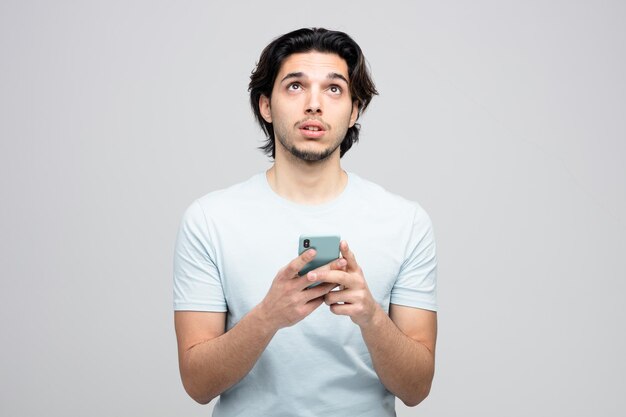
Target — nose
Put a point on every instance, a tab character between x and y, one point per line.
314	105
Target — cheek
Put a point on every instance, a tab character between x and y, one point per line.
289	111
349	114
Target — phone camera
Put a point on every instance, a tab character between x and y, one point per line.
306	243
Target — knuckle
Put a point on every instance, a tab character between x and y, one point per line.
294	300
292	266
301	311
292	271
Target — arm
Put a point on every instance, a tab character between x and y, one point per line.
401	344
212	360
402	347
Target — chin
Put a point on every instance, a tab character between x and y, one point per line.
306	153
310	150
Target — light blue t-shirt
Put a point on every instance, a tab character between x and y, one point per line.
230	246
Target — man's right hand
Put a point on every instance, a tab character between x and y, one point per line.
213	359
288	301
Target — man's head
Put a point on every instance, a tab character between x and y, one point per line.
311	77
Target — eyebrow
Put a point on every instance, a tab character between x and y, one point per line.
330	76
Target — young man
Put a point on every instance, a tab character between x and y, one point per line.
248	328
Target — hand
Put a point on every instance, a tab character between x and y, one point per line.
358	301
288	301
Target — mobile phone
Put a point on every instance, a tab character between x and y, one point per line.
327	250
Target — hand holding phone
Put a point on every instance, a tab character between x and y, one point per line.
279	308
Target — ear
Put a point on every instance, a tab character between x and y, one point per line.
264	108
355	113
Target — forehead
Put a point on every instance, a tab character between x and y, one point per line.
313	64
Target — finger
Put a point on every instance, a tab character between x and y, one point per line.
293	267
318	291
337	276
307	284
342	309
341	296
311	305
349	256
335	264
339	263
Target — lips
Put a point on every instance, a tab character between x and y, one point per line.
312	129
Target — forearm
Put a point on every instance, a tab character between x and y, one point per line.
211	367
404	366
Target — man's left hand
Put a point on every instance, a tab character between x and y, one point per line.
358	301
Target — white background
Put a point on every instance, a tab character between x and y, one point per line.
505	120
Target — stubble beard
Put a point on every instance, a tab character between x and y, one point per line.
307	155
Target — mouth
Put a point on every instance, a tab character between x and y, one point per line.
312	129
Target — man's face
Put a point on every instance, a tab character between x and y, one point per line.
311	108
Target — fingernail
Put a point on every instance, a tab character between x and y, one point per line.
342	262
312	275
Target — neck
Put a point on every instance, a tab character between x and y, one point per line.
307	183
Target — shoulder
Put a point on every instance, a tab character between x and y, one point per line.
221	203
224	199
379	198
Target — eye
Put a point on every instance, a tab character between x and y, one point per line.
294	87
335	89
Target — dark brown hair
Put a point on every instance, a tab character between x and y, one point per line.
362	87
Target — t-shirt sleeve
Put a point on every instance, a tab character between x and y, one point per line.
416	284
197	281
